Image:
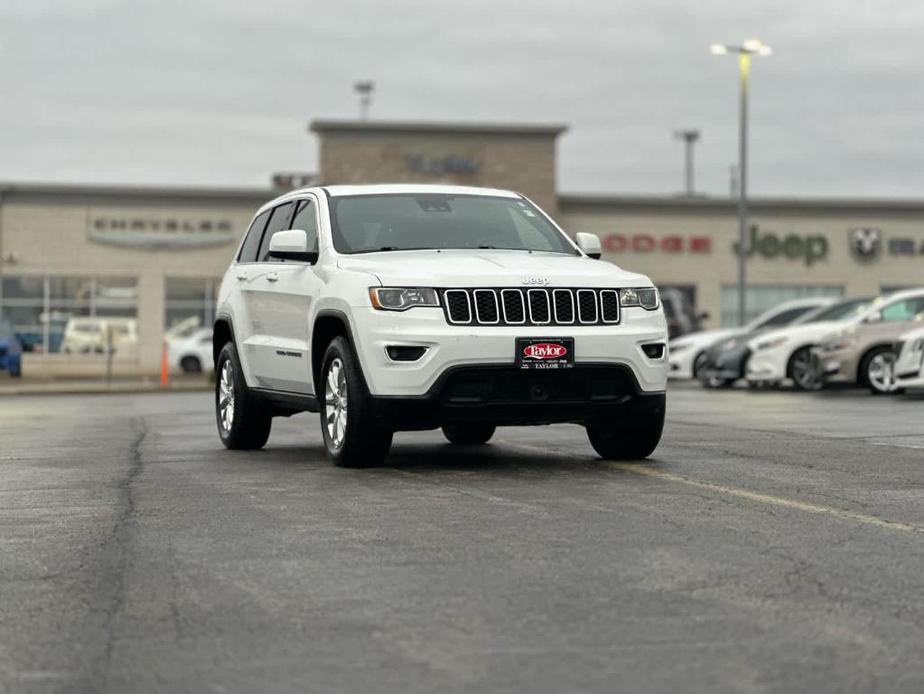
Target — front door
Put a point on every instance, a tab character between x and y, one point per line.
283	294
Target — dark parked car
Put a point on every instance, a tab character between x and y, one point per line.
726	360
681	315
10	350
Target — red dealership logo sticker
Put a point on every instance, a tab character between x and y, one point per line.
544	350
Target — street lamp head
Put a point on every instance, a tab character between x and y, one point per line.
748	47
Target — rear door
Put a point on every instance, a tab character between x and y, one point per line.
285	291
242	274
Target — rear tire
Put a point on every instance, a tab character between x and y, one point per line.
468	434
243	423
633	438
352	436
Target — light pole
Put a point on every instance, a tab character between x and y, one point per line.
364	89
744	52
689	138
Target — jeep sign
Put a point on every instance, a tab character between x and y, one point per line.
809	248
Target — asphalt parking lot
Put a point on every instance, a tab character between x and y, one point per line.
775	543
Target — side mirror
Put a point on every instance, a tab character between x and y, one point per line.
292	245
590	244
874	317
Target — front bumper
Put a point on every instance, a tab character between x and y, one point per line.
836	366
728	365
503	394
768	365
909	368
680	364
450	347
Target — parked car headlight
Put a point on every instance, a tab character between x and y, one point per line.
402	298
772	343
646	297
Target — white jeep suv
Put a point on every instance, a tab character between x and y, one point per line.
408	307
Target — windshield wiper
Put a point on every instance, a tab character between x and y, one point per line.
504	248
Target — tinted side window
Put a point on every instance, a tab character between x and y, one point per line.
248	252
282	215
307	220
786	317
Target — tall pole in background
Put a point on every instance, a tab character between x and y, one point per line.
364	88
689	137
744	52
744	72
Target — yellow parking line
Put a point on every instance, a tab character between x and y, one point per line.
770	499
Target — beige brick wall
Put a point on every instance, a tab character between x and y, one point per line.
520	162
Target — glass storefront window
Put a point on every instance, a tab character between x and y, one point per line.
190	303
73	314
764	297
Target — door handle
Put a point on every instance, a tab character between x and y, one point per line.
272	277
242	276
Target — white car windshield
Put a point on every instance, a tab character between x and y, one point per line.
399	222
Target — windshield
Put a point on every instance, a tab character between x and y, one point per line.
369	223
841	311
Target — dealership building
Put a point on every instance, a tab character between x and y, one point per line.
156	255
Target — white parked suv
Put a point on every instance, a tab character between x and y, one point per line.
408	307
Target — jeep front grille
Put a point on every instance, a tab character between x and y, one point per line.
531	306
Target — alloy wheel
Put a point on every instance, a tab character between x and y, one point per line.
335	400
881	372
226	396
805	370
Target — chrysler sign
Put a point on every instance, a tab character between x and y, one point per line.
142	231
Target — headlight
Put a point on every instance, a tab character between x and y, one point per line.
646	297
402	298
771	344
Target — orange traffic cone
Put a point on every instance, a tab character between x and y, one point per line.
164	367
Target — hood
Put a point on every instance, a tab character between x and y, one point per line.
808	333
704	338
488	268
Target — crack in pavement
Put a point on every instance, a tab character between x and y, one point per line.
114	555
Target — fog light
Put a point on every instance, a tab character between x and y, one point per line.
404	353
654	350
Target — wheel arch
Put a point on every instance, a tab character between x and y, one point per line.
792	354
222	334
328	324
861	362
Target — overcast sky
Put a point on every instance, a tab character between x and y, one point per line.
219	92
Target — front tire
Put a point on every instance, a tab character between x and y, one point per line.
243	423
352	437
803	371
632	438
877	369
468	434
